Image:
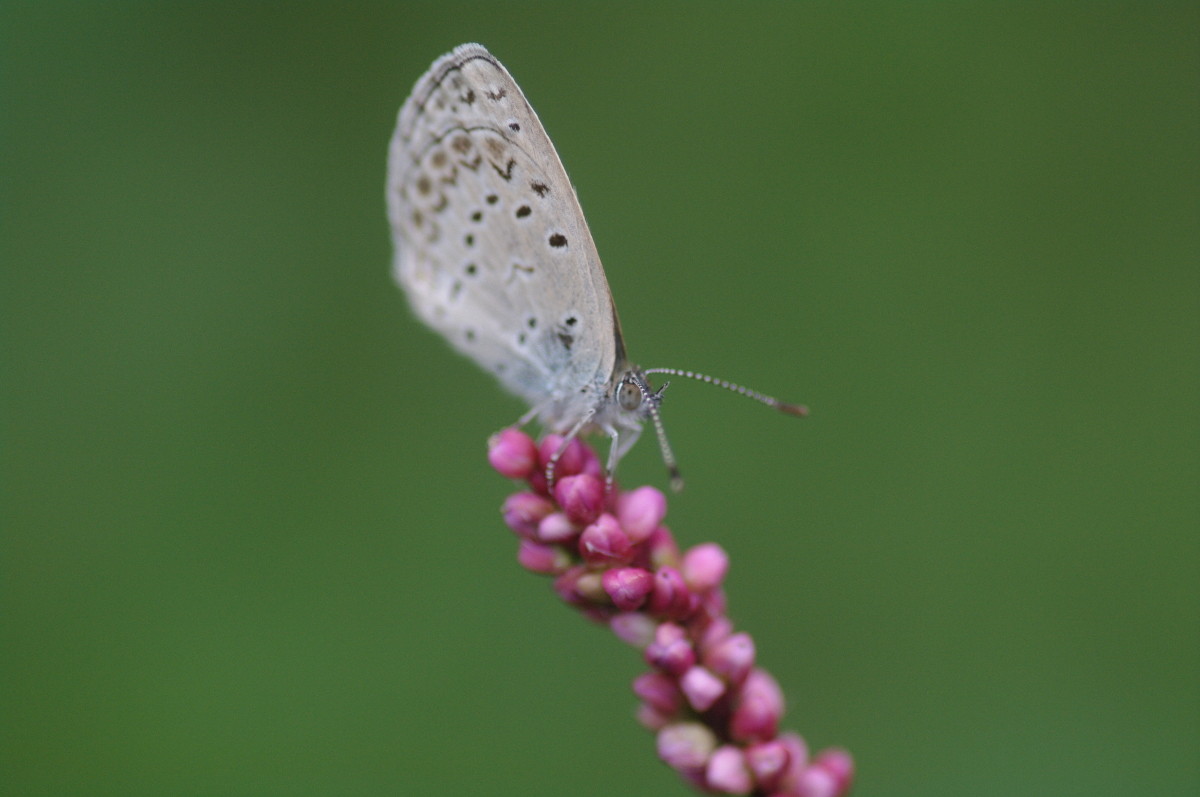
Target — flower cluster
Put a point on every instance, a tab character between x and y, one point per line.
715	712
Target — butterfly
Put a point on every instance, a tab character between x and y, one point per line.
493	252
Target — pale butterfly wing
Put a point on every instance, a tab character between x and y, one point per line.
491	245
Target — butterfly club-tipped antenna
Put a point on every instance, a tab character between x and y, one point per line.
654	399
797	410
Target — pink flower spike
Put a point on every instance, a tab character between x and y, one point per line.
634	628
512	453
640	511
603	542
556	528
581	497
732	658
715	713
686	745
704	566
659	691
727	772
524	511
768	761
701	688
628	586
545	559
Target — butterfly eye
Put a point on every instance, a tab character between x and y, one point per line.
629	396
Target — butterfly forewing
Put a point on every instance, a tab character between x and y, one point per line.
491	245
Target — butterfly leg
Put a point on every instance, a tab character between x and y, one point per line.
566	441
623	438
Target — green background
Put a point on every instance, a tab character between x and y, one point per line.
250	543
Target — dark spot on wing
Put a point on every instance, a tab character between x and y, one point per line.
523	211
471	269
506	172
558	240
469	239
513	126
492	199
477	216
498	94
541	189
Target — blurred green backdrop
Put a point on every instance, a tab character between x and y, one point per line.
250	543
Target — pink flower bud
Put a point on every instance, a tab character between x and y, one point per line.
661	550
634	628
545	559
523	511
651	718
658	691
671	597
566	586
713	603
591	586
758	708
816	782
768	761
797	750
603	542
640	511
571	461
512	453
671	651
686	745
727	772
732	658
704	566
628	586
701	688
581	497
838	765
556	528
717	631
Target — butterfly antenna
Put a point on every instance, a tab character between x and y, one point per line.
652	401
799	410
